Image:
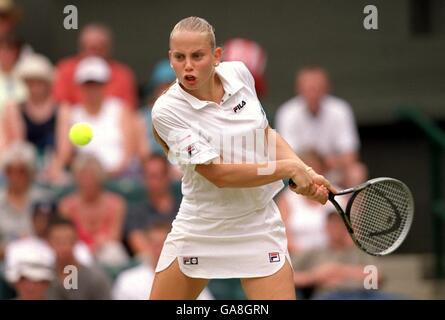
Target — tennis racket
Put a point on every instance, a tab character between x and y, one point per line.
378	214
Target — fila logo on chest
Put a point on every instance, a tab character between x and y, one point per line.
239	106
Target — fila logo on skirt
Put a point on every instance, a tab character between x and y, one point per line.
190	260
274	257
191	150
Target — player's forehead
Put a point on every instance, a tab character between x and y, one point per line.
189	41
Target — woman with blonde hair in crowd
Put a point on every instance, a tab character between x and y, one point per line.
34	120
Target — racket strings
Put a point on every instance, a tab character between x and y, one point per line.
380	216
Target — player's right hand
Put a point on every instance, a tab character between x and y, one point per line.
312	185
318	179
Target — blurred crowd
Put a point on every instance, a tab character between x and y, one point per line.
89	222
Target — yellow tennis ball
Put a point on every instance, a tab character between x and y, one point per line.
81	134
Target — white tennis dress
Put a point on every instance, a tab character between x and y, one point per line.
220	232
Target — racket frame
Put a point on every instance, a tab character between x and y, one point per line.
345	214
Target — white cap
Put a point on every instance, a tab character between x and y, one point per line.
92	69
35	66
30	258
19	152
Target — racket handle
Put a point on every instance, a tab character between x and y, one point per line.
293	185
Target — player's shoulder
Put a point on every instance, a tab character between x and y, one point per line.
233	65
169	100
234	69
160	107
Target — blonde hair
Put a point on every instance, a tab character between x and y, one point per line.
196	24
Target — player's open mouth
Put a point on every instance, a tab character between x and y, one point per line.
190	79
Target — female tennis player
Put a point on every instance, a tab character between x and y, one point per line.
228	225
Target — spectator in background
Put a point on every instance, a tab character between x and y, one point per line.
113	142
10	16
92	283
42	214
11	50
336	272
160	202
29	268
316	120
34	120
12	89
95	40
16	199
305	219
97	214
135	283
253	55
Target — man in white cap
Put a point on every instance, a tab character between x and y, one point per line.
94	40
29	267
113	126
